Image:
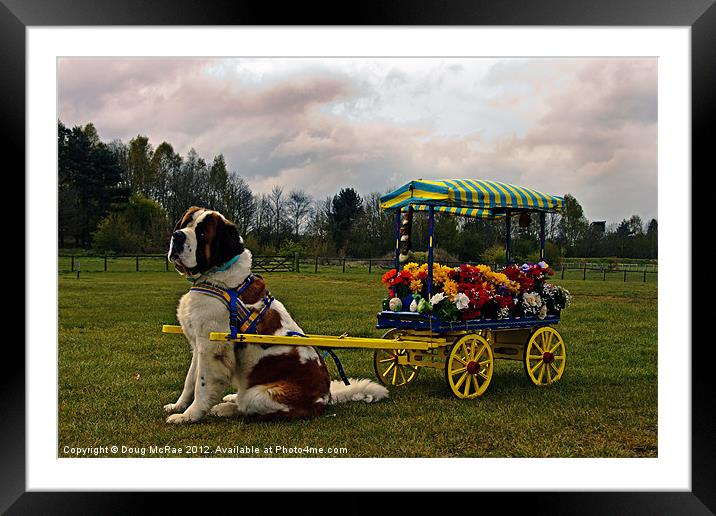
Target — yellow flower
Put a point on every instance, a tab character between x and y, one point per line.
411	267
416	285
438	275
450	288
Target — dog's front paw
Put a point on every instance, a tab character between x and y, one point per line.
172	408
179	419
230	397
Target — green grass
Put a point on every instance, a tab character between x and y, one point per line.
116	371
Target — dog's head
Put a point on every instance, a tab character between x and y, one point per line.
203	239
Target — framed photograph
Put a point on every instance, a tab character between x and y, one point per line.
510	192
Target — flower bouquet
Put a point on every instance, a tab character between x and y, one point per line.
475	291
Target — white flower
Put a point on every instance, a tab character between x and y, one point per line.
532	299
437	298
414	306
395	304
503	313
461	301
542	312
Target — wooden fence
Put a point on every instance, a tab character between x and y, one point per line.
316	264
158	262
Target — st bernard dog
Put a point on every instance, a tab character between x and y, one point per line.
272	382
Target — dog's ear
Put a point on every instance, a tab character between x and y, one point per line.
184	219
228	242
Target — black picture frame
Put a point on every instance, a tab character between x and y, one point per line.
700	15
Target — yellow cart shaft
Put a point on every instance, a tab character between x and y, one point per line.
342	341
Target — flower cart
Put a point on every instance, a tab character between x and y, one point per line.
470	315
458	319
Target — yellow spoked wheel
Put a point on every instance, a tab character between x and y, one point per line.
387	367
545	356
468	368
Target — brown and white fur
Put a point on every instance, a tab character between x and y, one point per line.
276	382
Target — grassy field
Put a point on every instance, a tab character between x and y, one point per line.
116	371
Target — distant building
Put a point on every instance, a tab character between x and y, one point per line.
599	225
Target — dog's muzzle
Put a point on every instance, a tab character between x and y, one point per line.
176	245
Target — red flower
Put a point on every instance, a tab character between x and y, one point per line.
512	272
504	301
406	275
399	280
389	275
526	284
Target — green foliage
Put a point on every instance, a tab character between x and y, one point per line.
446	311
289	248
440	255
114	234
494	254
345	208
89	183
141	226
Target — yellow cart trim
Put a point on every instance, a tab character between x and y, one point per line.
324	341
342	341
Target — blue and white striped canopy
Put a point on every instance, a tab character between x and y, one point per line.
487	198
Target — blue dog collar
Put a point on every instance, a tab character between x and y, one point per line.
218	268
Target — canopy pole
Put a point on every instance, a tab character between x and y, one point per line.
431	225
397	239
542	216
508	231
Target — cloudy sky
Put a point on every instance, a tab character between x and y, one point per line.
582	126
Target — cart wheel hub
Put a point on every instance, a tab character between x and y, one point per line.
548	357
473	367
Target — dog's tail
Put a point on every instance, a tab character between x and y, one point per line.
359	390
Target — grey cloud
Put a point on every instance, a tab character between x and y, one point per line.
590	127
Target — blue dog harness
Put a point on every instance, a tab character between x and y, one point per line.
243	319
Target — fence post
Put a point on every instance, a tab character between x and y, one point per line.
296	266
105	262
79	267
370	265
344	264
625	275
166	263
644	275
584	276
72	264
563	271
604	271
137	263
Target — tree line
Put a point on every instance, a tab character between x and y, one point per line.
126	197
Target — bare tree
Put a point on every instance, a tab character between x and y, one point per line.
276	202
299	207
240	203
